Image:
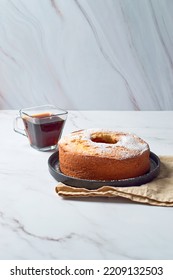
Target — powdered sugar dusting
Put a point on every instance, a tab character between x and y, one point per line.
131	142
126	144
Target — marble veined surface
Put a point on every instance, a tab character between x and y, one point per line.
87	54
35	223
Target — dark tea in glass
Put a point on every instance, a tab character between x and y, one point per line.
43	126
43	131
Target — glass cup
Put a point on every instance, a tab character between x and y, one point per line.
43	125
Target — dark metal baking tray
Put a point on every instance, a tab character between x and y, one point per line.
53	163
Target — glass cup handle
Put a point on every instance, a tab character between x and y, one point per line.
17	128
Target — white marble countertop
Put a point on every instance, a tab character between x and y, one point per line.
35	223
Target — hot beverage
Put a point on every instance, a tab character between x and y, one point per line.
42	125
43	130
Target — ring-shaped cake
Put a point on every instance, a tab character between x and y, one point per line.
102	154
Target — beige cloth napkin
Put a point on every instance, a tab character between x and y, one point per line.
157	192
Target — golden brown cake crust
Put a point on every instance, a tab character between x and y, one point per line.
97	154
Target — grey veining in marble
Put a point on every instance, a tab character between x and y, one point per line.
85	54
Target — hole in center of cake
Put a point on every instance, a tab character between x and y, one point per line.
103	138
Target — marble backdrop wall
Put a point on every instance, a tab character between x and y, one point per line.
87	54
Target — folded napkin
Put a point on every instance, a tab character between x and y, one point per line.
157	192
